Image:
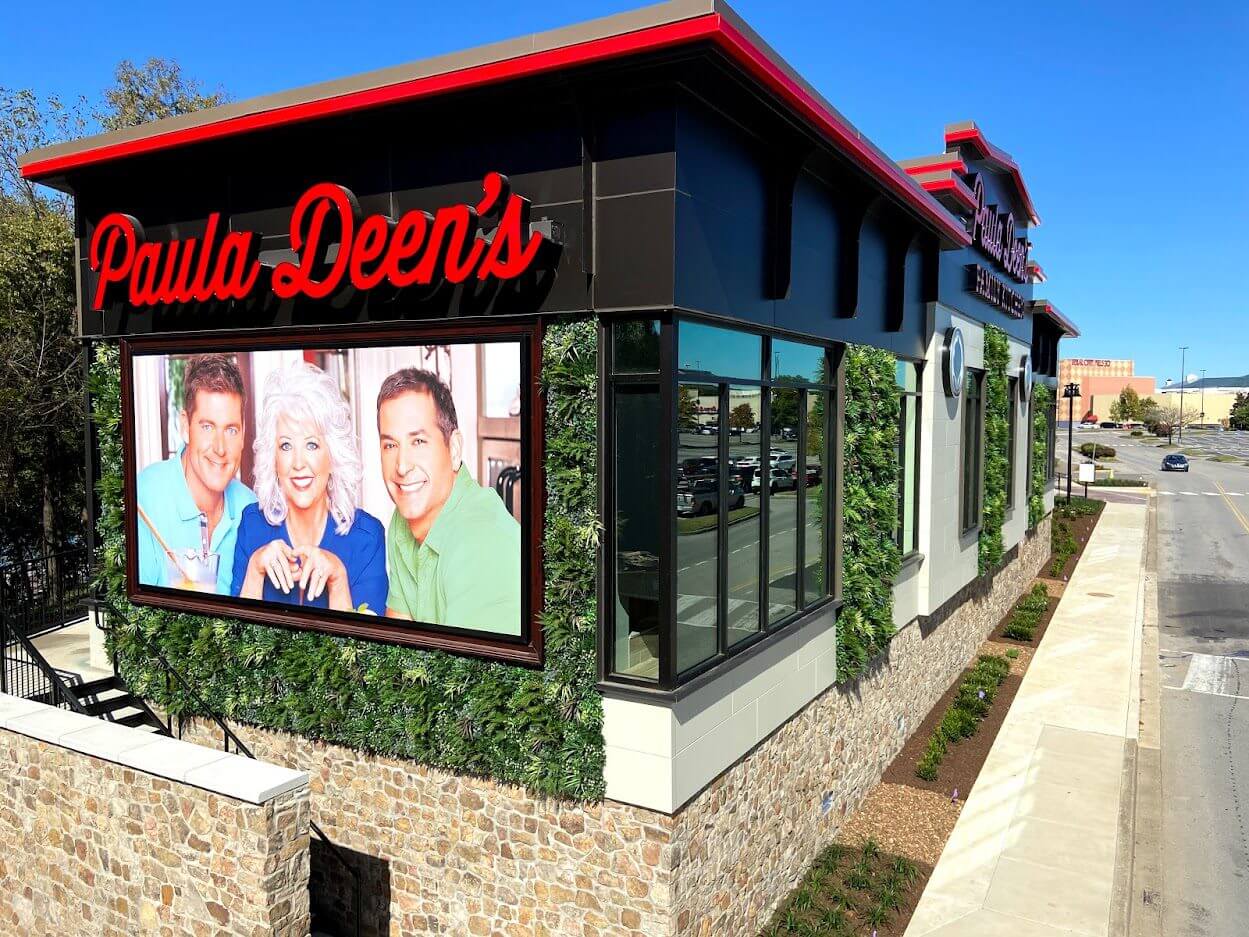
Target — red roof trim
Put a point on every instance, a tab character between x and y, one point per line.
954	164
1035	271
1045	307
953	186
535	63
974	135
711	26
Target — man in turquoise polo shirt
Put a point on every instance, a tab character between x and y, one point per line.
196	491
452	548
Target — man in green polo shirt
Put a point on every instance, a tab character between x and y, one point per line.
452	548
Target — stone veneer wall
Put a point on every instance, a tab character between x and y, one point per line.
448	854
742	844
92	847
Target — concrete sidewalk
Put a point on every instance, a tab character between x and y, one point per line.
1033	853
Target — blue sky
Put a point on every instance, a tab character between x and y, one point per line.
1130	121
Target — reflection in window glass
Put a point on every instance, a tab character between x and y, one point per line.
698	501
708	349
635	346
794	362
783	506
746	456
638	539
815	570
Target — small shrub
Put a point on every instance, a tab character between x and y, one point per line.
1137	432
971	704
1087	449
1012	653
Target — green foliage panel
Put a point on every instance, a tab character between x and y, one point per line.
996	441
538	728
870	462
1042	400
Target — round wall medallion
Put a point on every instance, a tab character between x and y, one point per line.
1025	379
954	362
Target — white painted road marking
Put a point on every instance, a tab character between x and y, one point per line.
1209	673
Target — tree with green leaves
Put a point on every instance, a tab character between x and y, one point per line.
1127	408
153	91
1239	418
742	417
42	418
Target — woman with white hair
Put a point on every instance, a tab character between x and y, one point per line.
306	541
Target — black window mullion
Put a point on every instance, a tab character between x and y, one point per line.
722	522
800	511
667	455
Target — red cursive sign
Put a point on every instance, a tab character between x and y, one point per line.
417	249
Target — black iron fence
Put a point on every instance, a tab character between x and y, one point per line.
45	592
24	672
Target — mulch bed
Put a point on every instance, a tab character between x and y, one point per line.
1082	528
911	817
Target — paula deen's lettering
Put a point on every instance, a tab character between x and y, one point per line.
417	249
995	235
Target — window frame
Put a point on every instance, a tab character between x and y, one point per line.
918	400
971	504
1012	441
670	377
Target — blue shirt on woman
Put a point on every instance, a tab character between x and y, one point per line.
362	549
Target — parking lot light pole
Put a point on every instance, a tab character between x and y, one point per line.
1071	392
1183	351
1202	416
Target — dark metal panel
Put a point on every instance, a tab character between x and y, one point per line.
634	251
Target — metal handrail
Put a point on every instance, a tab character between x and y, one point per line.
229	736
60	689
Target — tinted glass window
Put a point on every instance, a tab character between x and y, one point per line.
745	442
814	575
635	346
782	508
638	538
794	362
708	349
698	536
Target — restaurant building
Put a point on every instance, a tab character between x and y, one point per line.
764	415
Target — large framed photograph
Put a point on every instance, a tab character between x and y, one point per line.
381	484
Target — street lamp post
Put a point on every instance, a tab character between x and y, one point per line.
1071	392
1183	351
1203	396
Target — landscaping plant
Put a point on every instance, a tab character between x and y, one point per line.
996	441
1042	401
962	719
1027	614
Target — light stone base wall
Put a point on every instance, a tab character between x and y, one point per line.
448	854
744	843
92	847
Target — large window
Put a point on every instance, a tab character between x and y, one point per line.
1012	391
718	483
907	532
973	452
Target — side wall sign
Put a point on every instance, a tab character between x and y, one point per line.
332	242
995	235
993	291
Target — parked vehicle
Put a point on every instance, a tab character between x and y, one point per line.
782	479
702	497
785	461
1174	463
699	467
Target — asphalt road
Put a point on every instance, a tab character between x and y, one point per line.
1203	625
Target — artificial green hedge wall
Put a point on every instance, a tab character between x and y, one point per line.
870	494
538	728
1042	401
996	442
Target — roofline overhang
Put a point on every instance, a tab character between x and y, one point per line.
1043	307
967	132
670	25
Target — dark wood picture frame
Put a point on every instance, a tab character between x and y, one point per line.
527	649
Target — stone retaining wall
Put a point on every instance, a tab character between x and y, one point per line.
90	846
441	853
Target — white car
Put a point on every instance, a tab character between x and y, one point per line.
782	480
